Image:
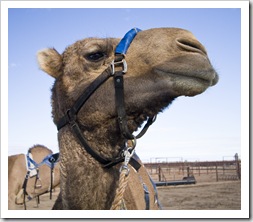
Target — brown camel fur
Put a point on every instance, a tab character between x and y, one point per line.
17	171
163	64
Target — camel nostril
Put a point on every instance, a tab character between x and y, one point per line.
191	45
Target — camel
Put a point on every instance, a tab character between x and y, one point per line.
160	65
37	183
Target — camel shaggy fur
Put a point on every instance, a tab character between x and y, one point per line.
163	64
17	171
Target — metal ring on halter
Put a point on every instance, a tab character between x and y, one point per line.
121	63
133	145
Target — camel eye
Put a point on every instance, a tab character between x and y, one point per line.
95	57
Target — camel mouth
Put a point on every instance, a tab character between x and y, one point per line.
208	77
188	82
189	67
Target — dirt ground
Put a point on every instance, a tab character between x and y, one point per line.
202	196
225	195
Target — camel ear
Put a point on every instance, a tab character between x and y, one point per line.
50	61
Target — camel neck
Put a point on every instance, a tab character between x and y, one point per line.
82	176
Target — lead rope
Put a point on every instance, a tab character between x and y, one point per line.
119	203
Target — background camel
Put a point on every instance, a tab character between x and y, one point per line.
17	171
162	64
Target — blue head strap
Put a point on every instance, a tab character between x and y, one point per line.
121	50
124	44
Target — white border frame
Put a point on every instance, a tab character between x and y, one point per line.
243	213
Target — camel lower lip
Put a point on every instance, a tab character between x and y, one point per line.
200	78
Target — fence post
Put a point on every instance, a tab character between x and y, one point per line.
159	174
238	170
216	172
188	171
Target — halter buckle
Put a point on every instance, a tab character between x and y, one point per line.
122	63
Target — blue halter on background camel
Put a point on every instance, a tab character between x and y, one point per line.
50	160
117	69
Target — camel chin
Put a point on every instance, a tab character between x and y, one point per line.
189	86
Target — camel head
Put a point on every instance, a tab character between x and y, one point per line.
163	64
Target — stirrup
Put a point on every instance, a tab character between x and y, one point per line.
38	186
